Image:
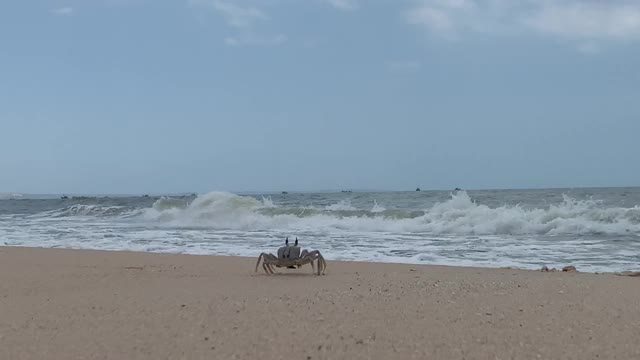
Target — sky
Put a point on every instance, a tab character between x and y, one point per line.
150	96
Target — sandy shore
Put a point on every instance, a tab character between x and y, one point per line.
68	304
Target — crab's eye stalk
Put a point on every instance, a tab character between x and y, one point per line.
286	242
296	241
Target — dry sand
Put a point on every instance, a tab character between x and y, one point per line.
68	304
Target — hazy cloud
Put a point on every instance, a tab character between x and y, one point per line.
244	19
63	11
436	20
589	48
343	4
587	19
581	20
252	39
236	15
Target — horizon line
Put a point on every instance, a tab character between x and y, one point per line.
258	192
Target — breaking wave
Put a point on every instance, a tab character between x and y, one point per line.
459	215
594	235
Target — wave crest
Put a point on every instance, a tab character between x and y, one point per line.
459	215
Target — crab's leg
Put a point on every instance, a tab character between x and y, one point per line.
271	269
267	262
322	261
262	255
267	269
322	264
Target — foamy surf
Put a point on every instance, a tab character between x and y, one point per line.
459	215
457	228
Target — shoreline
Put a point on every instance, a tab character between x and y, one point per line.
551	268
96	304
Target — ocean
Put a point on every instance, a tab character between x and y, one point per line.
594	229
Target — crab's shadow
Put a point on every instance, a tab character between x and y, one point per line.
287	275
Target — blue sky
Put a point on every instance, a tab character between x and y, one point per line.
137	96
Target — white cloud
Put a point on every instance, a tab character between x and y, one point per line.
343	4
64	11
434	19
588	19
448	18
245	22
583	21
235	15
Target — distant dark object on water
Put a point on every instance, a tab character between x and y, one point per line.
346	191
284	193
457	189
63	197
145	195
418	189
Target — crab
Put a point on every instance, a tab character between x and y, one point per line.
291	257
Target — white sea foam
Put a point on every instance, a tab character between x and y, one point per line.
457	231
459	215
90	210
342	205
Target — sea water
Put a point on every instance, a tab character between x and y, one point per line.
592	229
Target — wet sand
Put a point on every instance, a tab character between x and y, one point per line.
77	304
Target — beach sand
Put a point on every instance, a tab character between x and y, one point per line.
77	304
